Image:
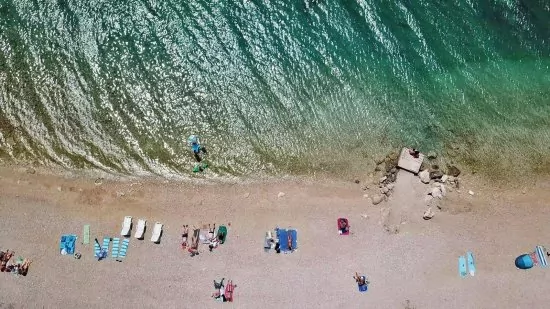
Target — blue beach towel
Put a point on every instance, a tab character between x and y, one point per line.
364	287
97	250
114	251
471	263
67	244
462	266
123	249
541	256
294	236
282	235
105	246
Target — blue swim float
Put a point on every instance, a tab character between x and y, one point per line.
524	261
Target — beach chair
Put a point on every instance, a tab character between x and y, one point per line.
222	230
126	226
114	250
140	229
123	249
541	256
157	231
228	293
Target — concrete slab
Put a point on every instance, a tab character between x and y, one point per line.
408	162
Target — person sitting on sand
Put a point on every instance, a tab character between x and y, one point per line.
211	231
344	228
415	153
361	280
214	242
5	259
219	294
184	236
24	268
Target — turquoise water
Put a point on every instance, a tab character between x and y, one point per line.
272	86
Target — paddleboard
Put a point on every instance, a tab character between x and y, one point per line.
471	263
462	266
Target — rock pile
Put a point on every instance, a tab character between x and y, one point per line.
385	176
441	182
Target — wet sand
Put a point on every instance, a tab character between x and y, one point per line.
418	264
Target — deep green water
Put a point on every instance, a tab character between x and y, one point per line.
273	86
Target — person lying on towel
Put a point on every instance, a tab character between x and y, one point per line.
184	236
194	249
361	280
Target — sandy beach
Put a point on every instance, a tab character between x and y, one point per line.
416	267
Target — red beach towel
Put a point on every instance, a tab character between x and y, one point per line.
341	223
229	291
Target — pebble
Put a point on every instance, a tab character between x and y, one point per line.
357	181
246	195
98	181
59	189
471	192
443	190
31	170
365	195
383	178
444	178
119	194
390	186
281	194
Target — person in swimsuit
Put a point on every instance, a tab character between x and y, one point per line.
415	153
361	280
211	231
344	228
184	236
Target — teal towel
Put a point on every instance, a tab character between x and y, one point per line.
123	249
114	251
462	266
471	263
105	246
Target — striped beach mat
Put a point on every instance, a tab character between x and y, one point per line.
86	235
123	249
541	256
97	249
114	250
105	246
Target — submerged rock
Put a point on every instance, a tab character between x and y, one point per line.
436	174
453	170
431	155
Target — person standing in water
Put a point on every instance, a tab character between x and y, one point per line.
195	144
198	152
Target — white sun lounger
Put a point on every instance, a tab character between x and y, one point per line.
126	226
157	230
140	229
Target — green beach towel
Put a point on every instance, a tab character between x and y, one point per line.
86	235
222	230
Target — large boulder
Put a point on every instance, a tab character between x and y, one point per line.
453	170
377	199
424	176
